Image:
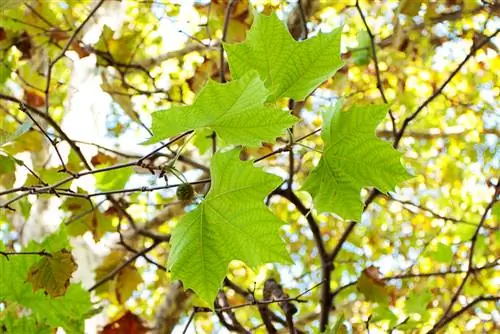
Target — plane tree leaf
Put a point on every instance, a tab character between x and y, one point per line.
232	223
52	273
372	286
234	110
68	311
418	302
6	137
289	68
353	158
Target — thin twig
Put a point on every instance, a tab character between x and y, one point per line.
380	86
123	265
431	98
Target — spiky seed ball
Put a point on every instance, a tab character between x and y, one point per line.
185	192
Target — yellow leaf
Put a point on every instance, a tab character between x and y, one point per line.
126	281
410	7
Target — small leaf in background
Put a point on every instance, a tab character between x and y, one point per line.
80	50
129	323
110	262
410	7
52	273
353	157
7	171
49	175
23	44
338	328
383	313
82	221
206	71
418	301
231	223
102	159
58	35
7	164
118	94
10	4
126	281
24	207
123	284
6	137
362	53
33	98
113	179
442	253
372	286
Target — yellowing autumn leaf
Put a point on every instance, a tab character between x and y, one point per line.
52	273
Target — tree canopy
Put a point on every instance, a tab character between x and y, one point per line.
241	166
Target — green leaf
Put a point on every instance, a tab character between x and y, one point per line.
10	4
361	54
52	273
7	164
353	158
338	328
232	223
371	285
68	311
442	253
24	324
289	68
383	313
7	171
114	179
235	111
49	175
6	137
417	301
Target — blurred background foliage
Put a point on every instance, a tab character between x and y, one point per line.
134	57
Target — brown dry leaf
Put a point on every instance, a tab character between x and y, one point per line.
207	70
34	98
81	51
102	159
23	44
128	323
58	35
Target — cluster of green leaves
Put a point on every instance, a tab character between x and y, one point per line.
232	222
41	283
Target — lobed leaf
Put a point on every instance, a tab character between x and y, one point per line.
289	68
232	223
52	273
353	158
234	110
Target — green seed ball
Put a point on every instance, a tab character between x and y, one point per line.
185	192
